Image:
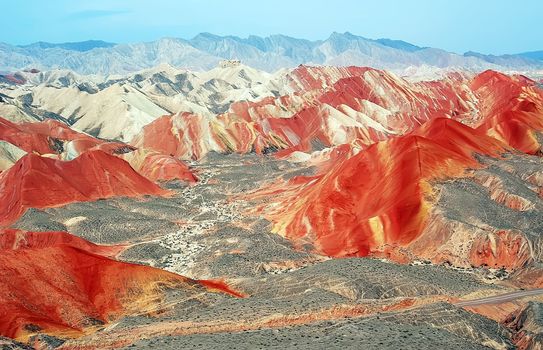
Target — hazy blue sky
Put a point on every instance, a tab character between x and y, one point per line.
488	26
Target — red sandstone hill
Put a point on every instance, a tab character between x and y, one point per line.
158	166
41	137
378	196
333	106
328	105
57	283
512	108
39	182
381	201
55	139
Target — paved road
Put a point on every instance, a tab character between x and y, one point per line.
501	298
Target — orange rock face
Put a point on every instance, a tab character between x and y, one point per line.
91	176
504	248
54	138
512	109
40	137
377	197
61	284
159	167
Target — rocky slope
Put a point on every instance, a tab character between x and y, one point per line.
386	200
338	208
49	157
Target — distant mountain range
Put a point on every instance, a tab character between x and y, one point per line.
81	46
270	53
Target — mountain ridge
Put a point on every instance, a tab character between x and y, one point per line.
82	46
270	54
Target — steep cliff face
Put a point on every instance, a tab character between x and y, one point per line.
527	324
524	318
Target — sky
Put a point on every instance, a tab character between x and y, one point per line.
486	26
